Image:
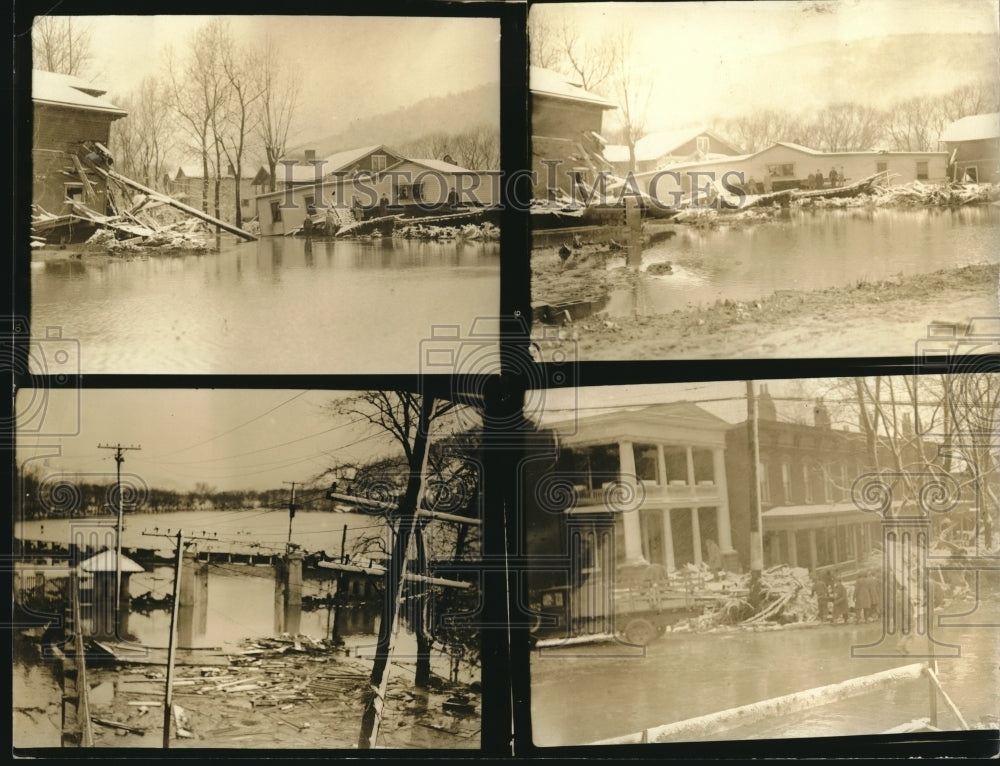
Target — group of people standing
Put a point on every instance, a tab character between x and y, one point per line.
834	603
817	181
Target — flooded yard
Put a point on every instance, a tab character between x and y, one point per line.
810	250
282	304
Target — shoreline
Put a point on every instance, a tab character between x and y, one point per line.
878	318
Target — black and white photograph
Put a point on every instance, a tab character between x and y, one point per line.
248	569
761	179
848	586
262	194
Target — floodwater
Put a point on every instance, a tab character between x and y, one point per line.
287	305
809	250
613	690
237	601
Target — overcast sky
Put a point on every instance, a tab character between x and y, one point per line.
230	439
351	67
703	56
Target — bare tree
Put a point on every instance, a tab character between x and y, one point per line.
544	49
632	88
478	147
61	44
240	113
197	92
141	140
279	89
848	126
557	43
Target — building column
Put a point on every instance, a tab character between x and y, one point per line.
690	470
793	550
661	465
813	557
630	517
836	544
696	535
668	540
724	523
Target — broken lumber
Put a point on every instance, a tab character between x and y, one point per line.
116	725
114	175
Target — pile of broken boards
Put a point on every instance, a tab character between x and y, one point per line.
916	194
132	230
484	232
287	690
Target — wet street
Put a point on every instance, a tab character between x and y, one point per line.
584	694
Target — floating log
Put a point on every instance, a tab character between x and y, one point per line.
117	725
710	724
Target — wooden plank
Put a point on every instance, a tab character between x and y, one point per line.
83	177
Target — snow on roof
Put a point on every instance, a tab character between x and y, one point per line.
818	509
662	144
973	128
550	83
678	409
440	165
797	147
67	90
343	160
105	562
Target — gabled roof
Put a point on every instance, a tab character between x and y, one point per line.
549	83
105	562
305	172
663	143
973	128
67	90
678	411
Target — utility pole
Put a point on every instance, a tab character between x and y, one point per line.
171	644
119	459
291	509
756	532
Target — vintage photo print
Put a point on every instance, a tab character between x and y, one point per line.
762	560
262	194
247	569
761	179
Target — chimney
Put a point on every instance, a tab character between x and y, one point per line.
310	155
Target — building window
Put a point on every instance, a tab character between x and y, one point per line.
881	167
417	190
827	486
765	484
922	174
402	191
807	481
74	192
275	212
702	143
786	482
245	202
378	162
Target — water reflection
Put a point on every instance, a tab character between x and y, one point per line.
282	303
812	249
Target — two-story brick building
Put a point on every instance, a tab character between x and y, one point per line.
68	111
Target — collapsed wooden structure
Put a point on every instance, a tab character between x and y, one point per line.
129	219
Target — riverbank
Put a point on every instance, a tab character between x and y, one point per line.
869	318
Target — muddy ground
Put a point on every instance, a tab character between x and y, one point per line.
879	318
290	695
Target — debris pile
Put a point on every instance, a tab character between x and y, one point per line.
917	193
785	596
485	232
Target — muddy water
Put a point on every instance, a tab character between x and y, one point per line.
612	691
280	305
810	250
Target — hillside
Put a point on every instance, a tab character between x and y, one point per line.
452	113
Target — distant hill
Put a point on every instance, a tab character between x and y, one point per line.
452	114
876	71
